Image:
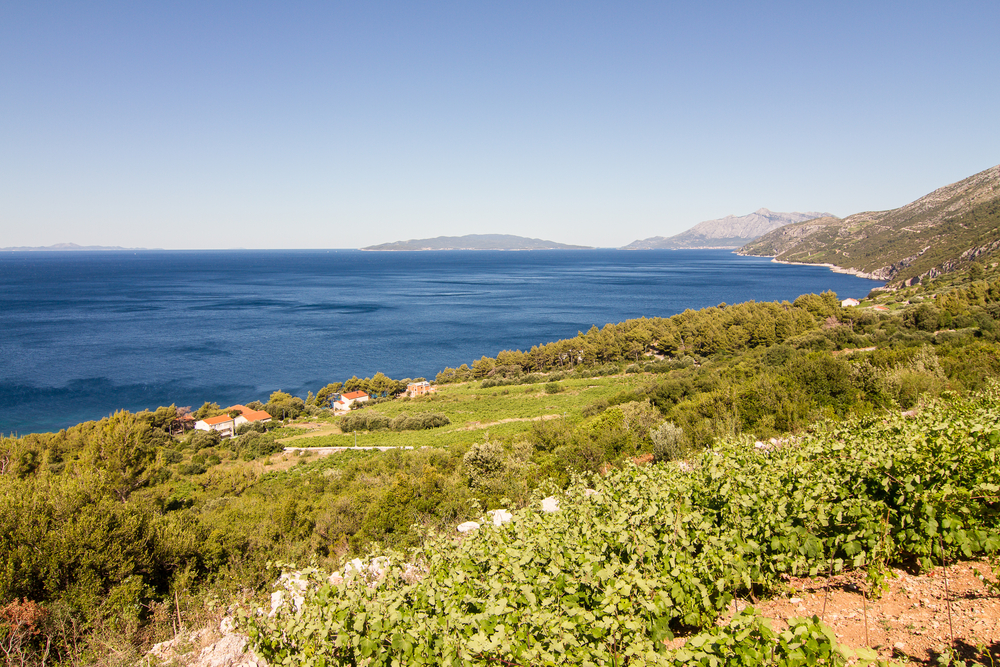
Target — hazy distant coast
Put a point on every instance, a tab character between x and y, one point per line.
66	247
476	242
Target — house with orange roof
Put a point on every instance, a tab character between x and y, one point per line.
226	425
250	415
345	401
419	389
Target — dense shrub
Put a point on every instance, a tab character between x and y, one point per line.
69	543
484	462
197	439
668	442
257	427
171	456
597	371
192	468
500	381
287	409
254	444
419	422
496	473
369	420
662	365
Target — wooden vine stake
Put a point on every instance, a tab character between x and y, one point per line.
177	606
826	593
864	608
947	592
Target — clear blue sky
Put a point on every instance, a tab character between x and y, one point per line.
339	125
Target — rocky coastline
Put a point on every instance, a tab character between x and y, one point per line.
838	269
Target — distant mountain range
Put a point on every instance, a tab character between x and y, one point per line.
68	246
475	242
937	233
729	232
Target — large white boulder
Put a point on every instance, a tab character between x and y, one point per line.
550	504
468	527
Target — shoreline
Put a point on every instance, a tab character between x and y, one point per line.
204	363
832	267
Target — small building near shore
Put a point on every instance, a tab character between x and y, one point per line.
345	401
419	389
226	425
250	415
849	302
181	424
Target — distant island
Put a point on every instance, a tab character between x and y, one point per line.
66	246
477	242
729	232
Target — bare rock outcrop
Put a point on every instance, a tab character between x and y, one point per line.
221	646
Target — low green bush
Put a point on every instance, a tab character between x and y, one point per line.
253	444
369	420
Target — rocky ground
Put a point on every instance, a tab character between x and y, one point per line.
217	646
916	620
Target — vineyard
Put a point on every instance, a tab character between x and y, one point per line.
664	550
115	534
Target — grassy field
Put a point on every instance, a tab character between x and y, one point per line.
499	411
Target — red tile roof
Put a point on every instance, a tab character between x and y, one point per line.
249	414
355	394
221	419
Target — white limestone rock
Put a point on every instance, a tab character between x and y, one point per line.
500	517
468	527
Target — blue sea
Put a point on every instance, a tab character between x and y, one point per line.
86	333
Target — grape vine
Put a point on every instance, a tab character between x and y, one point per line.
664	549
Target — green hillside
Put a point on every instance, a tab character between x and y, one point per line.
646	552
937	233
115	533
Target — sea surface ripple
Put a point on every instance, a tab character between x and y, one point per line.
87	333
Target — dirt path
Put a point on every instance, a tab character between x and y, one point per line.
478	425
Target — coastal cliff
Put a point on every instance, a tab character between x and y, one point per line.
940	232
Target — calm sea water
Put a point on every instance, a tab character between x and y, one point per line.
86	333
